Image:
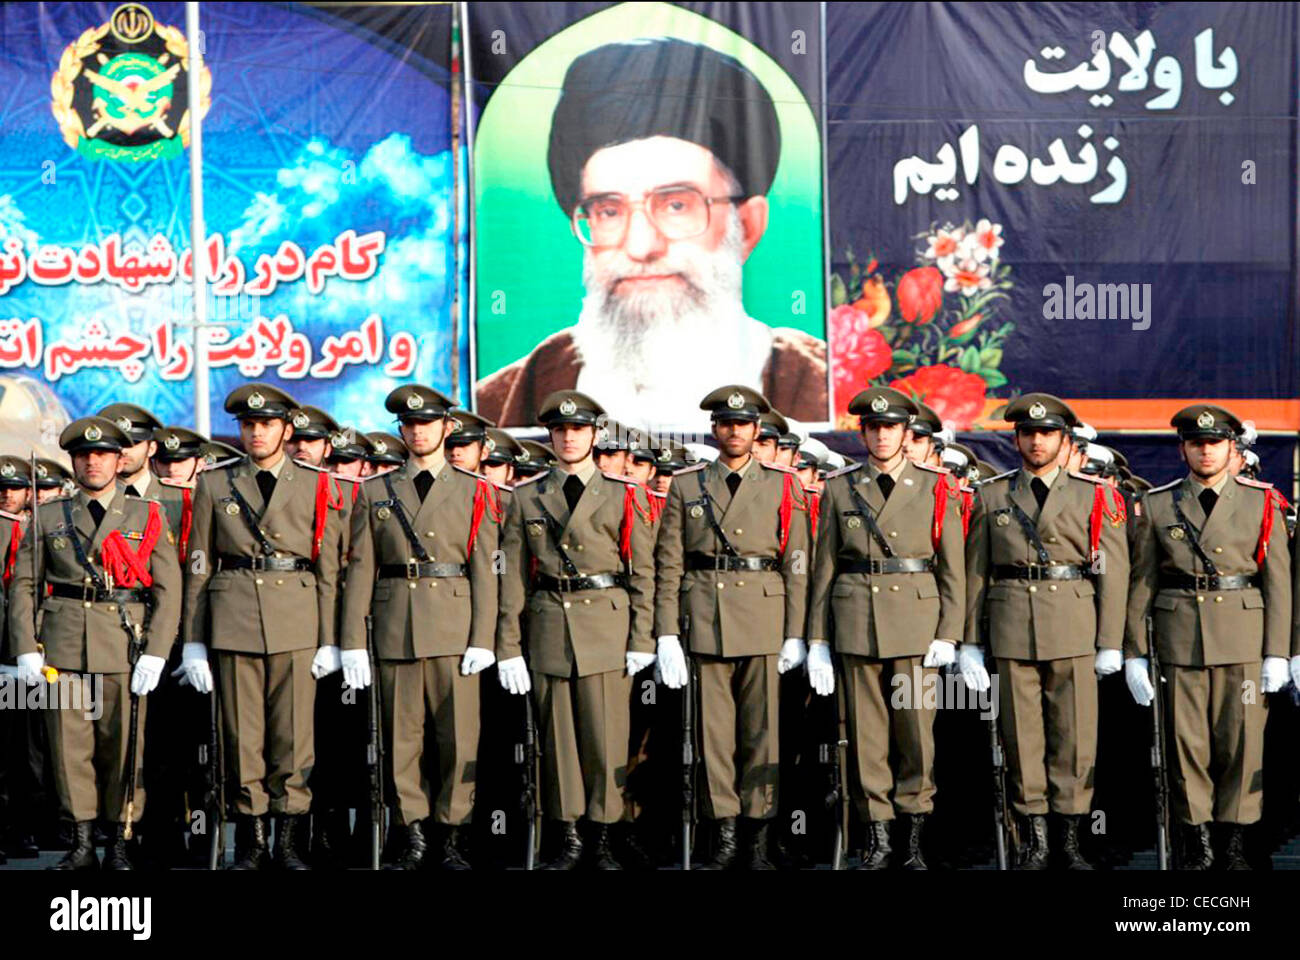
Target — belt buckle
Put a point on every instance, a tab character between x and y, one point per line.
877	567
259	563
88	591
719	563
1034	571
412	568
1205	581
562	583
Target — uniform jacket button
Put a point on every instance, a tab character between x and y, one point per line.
1033	589
1200	599
258	581
1218	549
894	587
721	585
1051	588
411	585
567	604
1218	599
739	532
874	588
740	583
580	548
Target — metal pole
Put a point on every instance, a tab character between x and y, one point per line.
198	244
470	314
826	220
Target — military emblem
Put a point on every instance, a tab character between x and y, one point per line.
568	408
383	513
41	472
171	442
256	401
879	404
1002	520
121	90
489	445
381	448
59	543
124	424
697	511
93	433
414	401
338	440
232	509
1205	420
1037	411
664	456
1177	533
736	400
8	470
535	528
454	425
854	523
301	420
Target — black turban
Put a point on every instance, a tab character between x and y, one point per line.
662	87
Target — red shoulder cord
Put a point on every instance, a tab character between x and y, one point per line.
655	506
356	488
485	501
631	509
967	504
940	508
1094	521
128	567
814	508
11	561
1271	498
788	484
187	520
325	502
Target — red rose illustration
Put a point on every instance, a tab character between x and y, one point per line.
955	395
858	353
920	294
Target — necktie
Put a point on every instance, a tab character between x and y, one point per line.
266	484
733	483
573	490
131	491
1040	490
1208	499
423	483
886	484
96	512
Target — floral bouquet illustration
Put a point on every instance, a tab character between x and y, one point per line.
934	333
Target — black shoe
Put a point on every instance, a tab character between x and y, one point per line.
1071	858
251	852
287	831
452	858
915	856
117	856
599	856
878	851
756	846
1032	854
1234	850
724	845
413	856
630	853
1198	852
21	845
570	848
81	856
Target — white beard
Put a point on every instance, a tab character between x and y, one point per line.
650	358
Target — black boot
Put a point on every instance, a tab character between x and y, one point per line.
1032	854
452	858
413	855
915	823
82	854
286	843
1198	852
631	854
724	845
877	852
756	847
599	855
330	836
1234	849
1071	858
251	851
117	856
570	848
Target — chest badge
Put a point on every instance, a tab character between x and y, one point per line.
697	512
59	543
232	509
1177	533
383	513
1002	520
854	523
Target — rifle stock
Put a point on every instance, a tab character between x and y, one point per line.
1161	784
688	747
375	751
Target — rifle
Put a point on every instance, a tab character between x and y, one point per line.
1158	753
688	750
830	754
375	752
210	760
135	646
999	792
527	754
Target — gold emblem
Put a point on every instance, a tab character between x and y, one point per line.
414	401
736	400
171	442
59	543
854	523
381	448
665	455
454	425
697	512
93	433
383	513
879	404
489	445
534	529
1205	420
124	424
1037	411
338	440
8	470
568	408
1177	533
301	420
232	509
1003	520
256	401
41	471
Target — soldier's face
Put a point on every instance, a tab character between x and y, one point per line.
572	442
765	450
423	437
177	469
883	440
95	469
46	494
612	461
661	483
1235	461
1073	455
785	456
134	457
350	468
498	472
309	451
13	499
735	437
1038	448
808	477
1207	457
467	456
263	439
917	449
639	470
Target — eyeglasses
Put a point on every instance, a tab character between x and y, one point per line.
677	212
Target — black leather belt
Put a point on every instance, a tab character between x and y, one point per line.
596	581
1040	571
886	565
722	562
1188	581
414	570
228	561
91	594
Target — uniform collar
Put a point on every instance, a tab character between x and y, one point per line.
585	474
1198	486
437	461
275	470
1048	478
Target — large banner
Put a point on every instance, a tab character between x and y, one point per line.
1093	199
328	192
648	222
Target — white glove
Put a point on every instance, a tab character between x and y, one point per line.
513	673
821	674
325	662
1274	675
30	666
476	659
1295	671
1137	673
940	654
1109	661
194	670
670	666
970	663
148	671
636	662
793	654
355	665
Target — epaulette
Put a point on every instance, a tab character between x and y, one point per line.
843	470
692	468
1084	476
620	478
656	494
533	479
810	490
1258	484
503	487
1168	486
224	464
304	463
778	466
343	479
476	476
178	484
925	466
374	476
6	515
128	496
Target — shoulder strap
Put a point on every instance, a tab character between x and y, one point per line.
870	520
79	549
246	512
407	530
554	530
1193	535
1028	526
713	520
